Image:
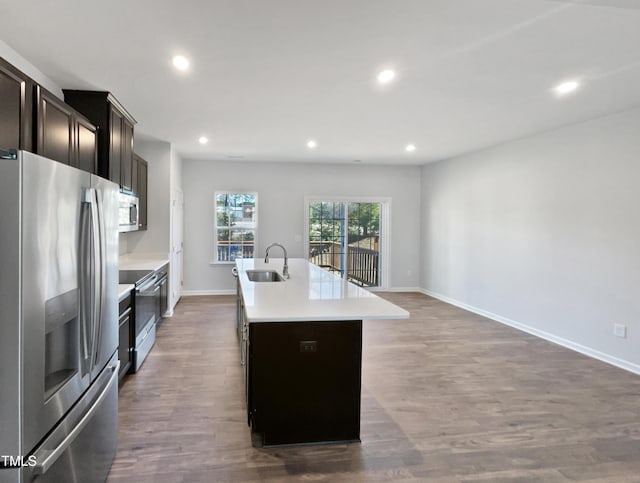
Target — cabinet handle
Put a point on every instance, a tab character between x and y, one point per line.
124	314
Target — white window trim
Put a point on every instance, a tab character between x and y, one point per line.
214	259
385	230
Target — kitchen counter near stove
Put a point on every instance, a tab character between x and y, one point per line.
142	261
124	289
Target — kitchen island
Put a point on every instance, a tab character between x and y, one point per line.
301	344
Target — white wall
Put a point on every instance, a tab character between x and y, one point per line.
164	177
156	238
281	189
22	64
544	233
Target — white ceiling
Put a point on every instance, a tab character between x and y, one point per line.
267	75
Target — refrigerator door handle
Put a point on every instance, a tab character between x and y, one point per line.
86	269
102	273
46	458
95	229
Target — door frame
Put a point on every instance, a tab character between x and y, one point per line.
385	230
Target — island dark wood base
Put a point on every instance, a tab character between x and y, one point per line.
303	381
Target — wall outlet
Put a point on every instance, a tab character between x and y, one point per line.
620	330
308	346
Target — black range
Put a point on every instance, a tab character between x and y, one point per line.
150	302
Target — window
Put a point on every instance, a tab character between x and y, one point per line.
236	225
348	237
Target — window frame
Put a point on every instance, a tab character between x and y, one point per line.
215	260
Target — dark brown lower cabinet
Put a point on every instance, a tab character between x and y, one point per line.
125	345
304	381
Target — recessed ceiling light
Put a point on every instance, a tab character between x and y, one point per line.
410	148
311	144
566	87
203	140
180	62
385	76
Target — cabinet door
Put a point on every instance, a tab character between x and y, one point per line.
12	107
55	136
115	145
135	168
124	343
142	194
127	156
86	145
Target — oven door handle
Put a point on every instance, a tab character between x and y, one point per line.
147	285
162	280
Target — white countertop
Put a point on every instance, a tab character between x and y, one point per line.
311	293
124	290
136	261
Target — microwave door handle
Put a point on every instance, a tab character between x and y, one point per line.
133	214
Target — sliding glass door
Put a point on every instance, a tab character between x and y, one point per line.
346	237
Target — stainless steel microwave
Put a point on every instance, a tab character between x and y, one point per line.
127	213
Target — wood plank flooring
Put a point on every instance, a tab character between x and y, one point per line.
447	396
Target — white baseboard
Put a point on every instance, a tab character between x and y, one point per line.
193	293
404	289
588	351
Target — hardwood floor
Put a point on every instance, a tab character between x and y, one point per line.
446	396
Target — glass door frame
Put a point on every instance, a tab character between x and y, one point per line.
385	230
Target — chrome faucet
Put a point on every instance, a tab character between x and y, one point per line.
285	270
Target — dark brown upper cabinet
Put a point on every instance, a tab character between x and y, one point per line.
139	174
115	147
86	145
16	109
54	135
62	134
126	166
115	133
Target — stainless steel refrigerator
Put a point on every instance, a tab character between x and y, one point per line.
58	322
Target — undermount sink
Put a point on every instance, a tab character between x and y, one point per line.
264	276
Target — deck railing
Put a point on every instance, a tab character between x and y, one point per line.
228	251
362	263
